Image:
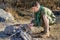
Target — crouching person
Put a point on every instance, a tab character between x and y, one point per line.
42	17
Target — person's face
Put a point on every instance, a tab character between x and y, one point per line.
34	9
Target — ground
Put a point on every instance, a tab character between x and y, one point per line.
55	32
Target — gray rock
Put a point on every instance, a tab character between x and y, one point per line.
6	15
9	30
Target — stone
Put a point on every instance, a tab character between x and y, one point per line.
5	15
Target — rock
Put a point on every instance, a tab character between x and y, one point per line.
2	5
5	15
9	30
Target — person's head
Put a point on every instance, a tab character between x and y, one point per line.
35	6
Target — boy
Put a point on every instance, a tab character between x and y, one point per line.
42	17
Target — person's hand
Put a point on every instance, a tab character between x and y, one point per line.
31	25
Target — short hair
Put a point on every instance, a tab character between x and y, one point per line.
33	4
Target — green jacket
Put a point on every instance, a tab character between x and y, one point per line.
44	11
